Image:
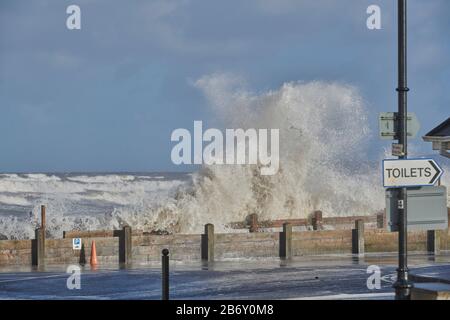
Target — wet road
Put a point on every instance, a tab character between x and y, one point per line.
336	277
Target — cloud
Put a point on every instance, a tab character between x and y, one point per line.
64	60
135	55
283	7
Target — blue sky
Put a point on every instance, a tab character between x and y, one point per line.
108	96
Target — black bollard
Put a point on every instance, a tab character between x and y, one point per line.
165	274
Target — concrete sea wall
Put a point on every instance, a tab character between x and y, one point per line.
126	246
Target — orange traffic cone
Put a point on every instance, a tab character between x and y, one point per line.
93	254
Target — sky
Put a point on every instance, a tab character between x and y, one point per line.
108	96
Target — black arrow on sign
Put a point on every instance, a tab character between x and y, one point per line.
438	171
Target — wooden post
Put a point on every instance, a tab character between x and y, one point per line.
125	246
358	237
38	248
43	217
208	243
448	214
433	241
286	241
317	220
253	222
381	220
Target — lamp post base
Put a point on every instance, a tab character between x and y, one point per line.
402	286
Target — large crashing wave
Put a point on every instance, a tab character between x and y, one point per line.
324	165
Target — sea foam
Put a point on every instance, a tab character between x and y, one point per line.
324	165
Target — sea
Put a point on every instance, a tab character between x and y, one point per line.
327	163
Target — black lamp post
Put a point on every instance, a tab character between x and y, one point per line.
402	285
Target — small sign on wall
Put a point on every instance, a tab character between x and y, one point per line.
76	243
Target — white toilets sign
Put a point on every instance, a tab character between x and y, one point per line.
410	173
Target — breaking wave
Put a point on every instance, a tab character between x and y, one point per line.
323	161
324	165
